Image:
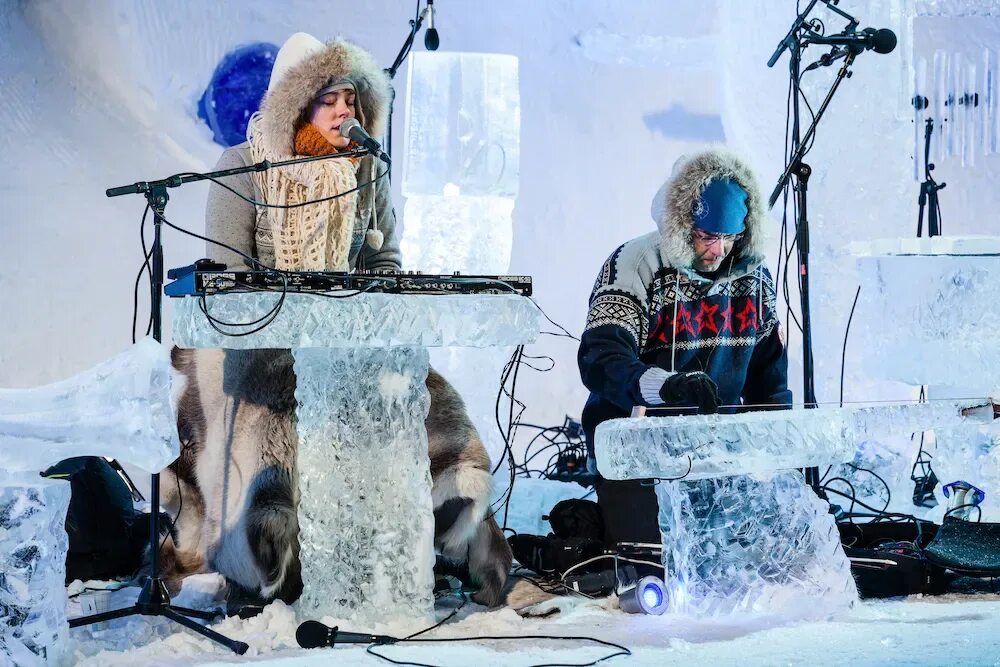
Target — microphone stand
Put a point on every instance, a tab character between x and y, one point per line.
801	171
404	50
929	189
154	600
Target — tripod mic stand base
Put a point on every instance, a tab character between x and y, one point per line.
154	600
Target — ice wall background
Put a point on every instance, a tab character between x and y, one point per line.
101	93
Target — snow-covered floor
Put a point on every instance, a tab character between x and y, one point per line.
952	629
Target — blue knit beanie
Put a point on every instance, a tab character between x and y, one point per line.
721	208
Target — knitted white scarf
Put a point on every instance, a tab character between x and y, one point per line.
315	237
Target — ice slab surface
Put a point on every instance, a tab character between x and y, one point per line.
365	320
120	409
704	446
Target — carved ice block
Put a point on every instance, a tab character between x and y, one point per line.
33	545
745	546
120	408
928	311
365	513
703	446
463	124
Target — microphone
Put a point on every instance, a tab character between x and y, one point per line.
882	40
352	128
431	39
313	634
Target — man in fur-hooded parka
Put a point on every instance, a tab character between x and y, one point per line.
304	67
663	331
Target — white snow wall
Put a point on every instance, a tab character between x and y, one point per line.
103	93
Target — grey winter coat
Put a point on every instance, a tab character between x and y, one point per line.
233	221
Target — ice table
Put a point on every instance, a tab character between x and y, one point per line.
736	545
366	522
761	545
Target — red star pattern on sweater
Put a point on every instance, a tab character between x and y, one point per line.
683	321
727	318
705	319
747	316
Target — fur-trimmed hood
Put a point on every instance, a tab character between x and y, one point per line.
287	98
673	204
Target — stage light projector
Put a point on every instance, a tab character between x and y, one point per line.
648	596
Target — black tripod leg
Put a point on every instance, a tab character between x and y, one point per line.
196	613
103	616
235	646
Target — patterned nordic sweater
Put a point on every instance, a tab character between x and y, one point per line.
648	319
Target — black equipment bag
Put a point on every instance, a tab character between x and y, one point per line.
107	535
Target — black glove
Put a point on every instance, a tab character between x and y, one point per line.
696	388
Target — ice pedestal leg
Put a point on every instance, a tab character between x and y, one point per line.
744	547
33	545
365	513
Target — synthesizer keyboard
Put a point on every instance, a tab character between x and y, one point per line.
208	278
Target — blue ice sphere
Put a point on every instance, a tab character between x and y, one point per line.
234	94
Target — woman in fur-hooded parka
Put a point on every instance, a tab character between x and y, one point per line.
235	490
354	231
653	315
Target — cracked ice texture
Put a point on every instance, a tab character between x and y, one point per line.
467	234
956	7
365	514
463	120
740	547
929	319
33	545
369	320
704	446
121	409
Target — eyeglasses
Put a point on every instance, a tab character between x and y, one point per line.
712	238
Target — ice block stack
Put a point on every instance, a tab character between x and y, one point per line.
120	408
460	175
460	180
929	315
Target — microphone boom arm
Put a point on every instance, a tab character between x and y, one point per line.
796	159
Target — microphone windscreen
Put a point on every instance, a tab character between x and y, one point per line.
431	39
884	41
313	634
349	128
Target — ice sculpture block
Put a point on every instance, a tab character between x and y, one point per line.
705	446
928	309
463	119
368	320
473	235
119	409
366	522
33	545
744	547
